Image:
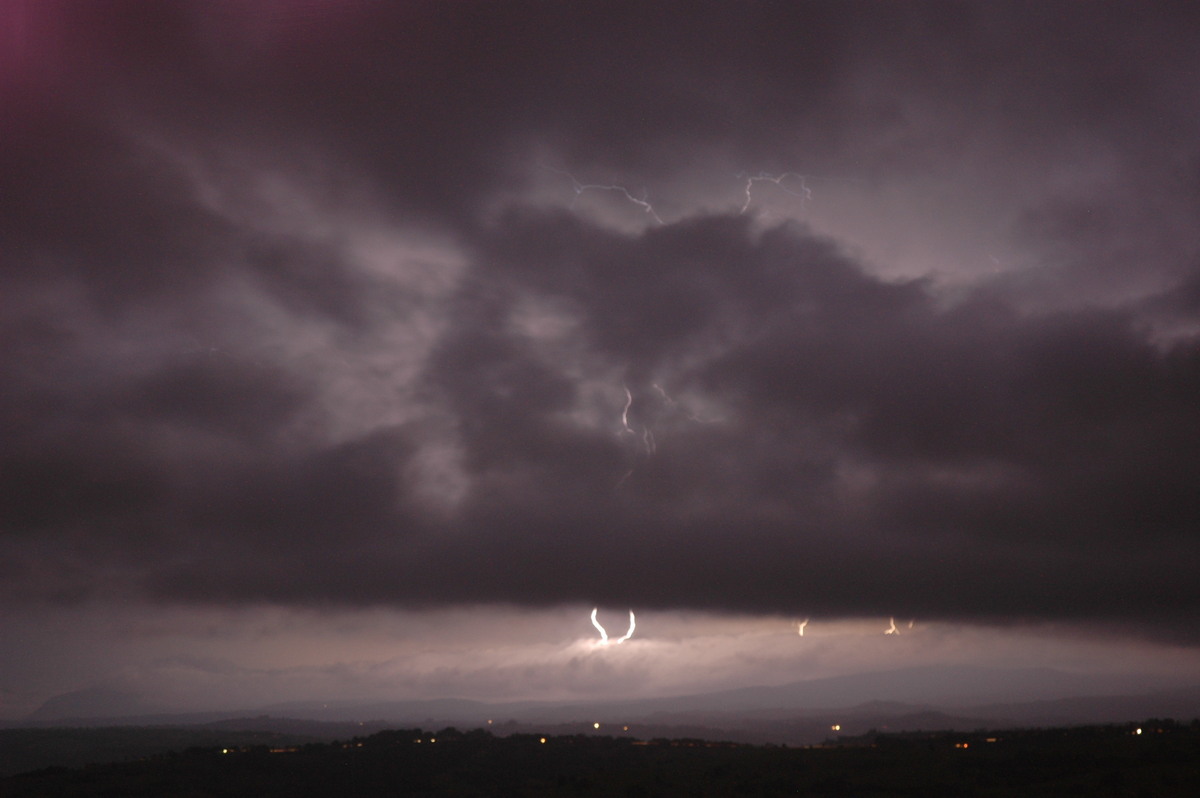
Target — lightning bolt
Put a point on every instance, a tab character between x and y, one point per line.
802	190
666	397
647	436
632	626
892	630
804	194
625	411
800	626
672	404
580	188
647	433
599	628
604	635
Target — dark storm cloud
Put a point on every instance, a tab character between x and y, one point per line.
980	430
81	201
200	321
878	449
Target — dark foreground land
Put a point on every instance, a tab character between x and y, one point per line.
1162	760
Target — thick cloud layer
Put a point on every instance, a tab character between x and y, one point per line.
823	308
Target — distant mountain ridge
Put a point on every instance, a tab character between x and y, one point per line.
959	697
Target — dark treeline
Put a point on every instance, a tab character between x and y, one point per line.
1157	758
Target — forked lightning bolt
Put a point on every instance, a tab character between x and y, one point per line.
800	190
604	635
805	193
649	441
580	188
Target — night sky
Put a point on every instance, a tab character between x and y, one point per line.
356	349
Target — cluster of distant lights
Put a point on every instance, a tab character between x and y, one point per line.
837	727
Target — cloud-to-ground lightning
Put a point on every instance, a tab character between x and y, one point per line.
604	635
629	633
805	193
580	188
599	628
800	627
892	630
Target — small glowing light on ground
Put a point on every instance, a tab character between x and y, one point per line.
962	745
1139	731
597	726
836	727
542	740
625	728
489	723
